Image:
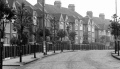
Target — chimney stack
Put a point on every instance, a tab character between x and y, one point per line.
90	14
71	7
102	16
57	3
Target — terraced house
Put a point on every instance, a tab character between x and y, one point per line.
65	17
88	29
96	28
9	26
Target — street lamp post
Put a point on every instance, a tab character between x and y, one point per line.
35	43
54	35
35	24
44	42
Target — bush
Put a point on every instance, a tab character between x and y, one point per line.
14	41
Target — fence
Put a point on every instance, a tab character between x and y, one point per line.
13	51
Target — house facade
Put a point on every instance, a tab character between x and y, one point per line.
95	29
65	17
88	29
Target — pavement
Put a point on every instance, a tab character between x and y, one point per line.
14	62
115	55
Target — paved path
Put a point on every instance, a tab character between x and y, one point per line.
91	59
14	62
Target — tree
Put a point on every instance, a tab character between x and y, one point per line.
47	32
72	35
14	40
22	23
6	11
115	30
6	14
61	33
104	39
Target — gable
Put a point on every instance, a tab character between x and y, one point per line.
85	20
61	18
66	19
89	22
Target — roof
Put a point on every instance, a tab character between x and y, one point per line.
26	3
96	26
39	12
71	18
39	6
102	23
98	20
85	20
10	2
57	16
53	10
64	16
28	6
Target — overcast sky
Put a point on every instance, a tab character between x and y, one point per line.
82	6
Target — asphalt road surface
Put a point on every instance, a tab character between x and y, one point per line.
89	59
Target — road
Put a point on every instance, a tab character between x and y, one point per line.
90	59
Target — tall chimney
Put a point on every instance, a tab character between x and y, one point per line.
102	16
90	14
71	7
57	3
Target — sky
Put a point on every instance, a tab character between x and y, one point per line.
82	6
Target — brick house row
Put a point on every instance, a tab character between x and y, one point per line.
88	28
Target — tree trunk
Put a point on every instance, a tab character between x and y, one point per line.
115	45
61	45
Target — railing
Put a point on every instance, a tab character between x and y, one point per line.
13	51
